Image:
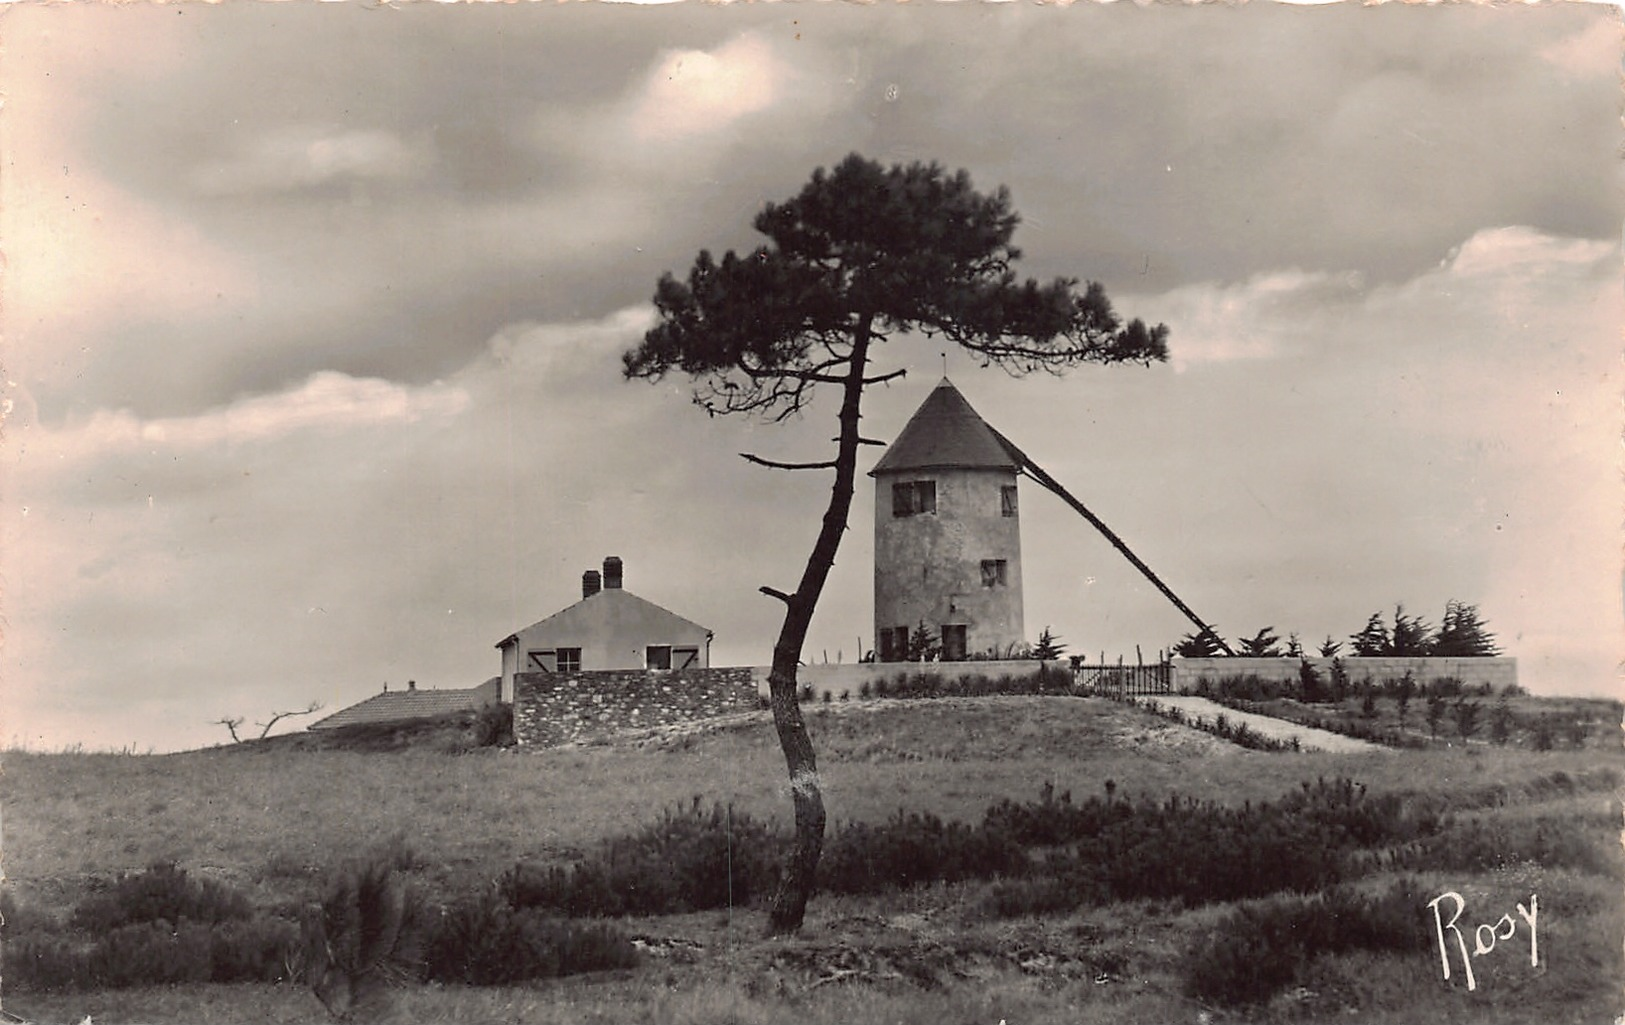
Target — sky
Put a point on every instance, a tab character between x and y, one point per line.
312	319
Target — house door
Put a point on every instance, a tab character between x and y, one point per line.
953	643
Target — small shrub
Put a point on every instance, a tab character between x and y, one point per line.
45	963
1340	680
368	933
1445	687
1501	722
1466	713
1478	845
1543	734
157	953
1200	852
1052	894
1368	703
263	949
151	953
1311	688
912	849
160	892
486	942
1255	952
17	919
493	725
687	861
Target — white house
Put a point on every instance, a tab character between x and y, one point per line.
609	628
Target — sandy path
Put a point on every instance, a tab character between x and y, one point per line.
1309	738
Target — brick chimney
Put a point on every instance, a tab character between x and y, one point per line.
589	583
612	572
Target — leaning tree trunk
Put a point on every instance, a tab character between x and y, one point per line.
796	886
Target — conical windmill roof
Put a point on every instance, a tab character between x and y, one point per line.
945	433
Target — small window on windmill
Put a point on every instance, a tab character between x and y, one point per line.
914	498
993	572
540	660
569	660
657	656
1007	500
685	658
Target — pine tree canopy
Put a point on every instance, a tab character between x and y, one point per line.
862	252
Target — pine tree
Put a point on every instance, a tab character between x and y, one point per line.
1203	644
1263	644
1462	633
862	254
1412	636
1372	641
1466	717
1049	646
922	644
1501	722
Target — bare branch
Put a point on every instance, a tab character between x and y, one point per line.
313	707
231	725
883	378
828	464
774	592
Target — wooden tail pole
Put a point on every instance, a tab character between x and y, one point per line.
1037	473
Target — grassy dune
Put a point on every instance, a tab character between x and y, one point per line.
272	820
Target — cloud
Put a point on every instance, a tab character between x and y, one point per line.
306	202
693	92
1518	251
308	156
1250	320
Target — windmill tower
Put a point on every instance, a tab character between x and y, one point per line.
947	533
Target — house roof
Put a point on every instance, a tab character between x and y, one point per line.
612	600
946	433
396	705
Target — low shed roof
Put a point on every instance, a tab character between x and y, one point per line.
397	705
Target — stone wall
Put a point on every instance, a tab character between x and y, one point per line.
1497	672
556	708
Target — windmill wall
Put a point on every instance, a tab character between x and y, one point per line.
929	565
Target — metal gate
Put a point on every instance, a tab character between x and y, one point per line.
1122	681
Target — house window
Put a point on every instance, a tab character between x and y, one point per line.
913	498
1007	500
657	656
894	644
685	658
540	660
569	660
993	572
953	643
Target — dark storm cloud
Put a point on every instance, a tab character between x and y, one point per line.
362	159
